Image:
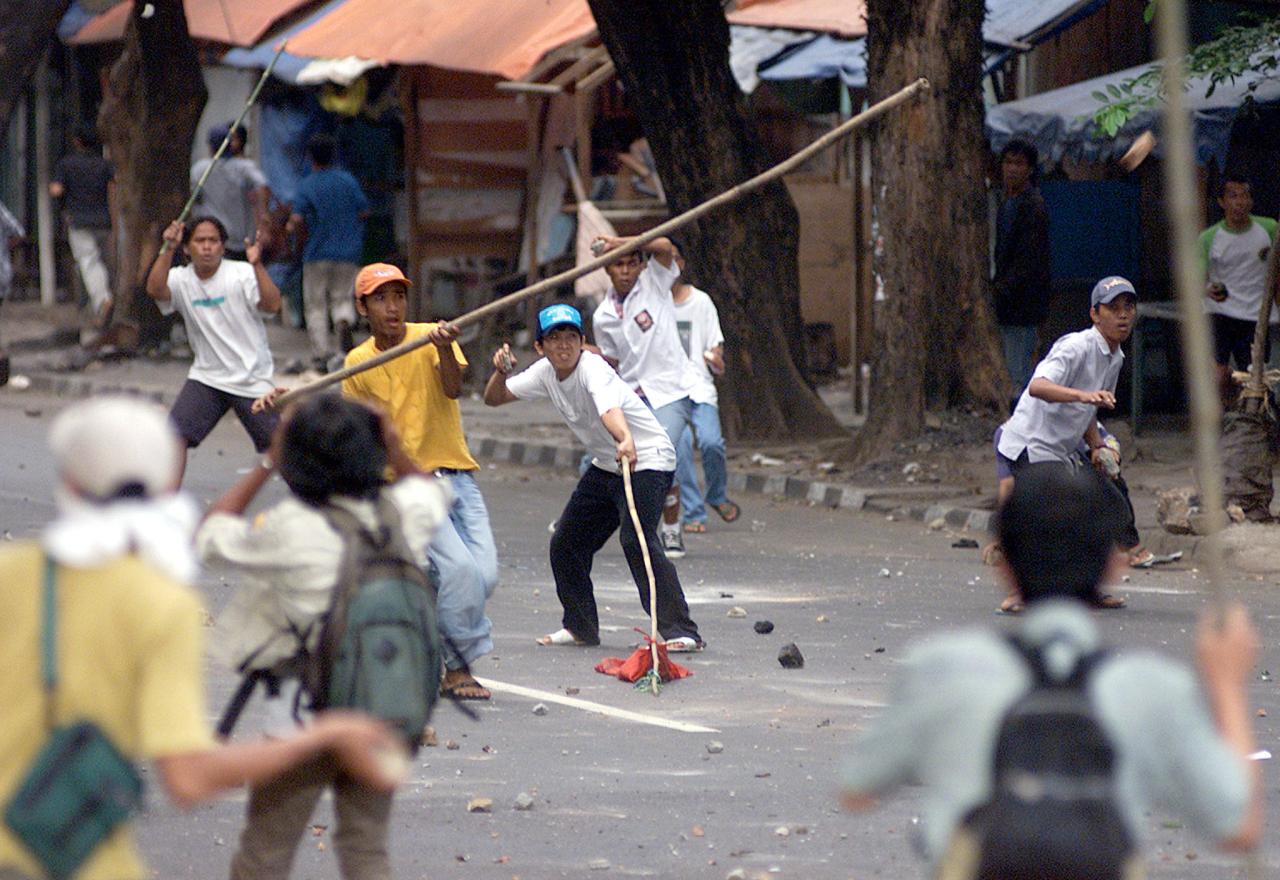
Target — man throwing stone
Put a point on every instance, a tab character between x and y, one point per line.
419	391
635	328
1077	378
222	303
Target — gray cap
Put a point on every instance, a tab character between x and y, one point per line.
1109	288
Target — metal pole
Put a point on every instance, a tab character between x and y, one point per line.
44	202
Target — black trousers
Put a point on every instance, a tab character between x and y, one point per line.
595	511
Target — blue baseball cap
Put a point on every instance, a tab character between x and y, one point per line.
1109	288
558	315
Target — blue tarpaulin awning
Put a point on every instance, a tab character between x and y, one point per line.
1059	122
1009	24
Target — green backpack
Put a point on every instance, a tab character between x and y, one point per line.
379	649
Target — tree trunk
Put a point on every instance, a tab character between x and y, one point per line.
673	59
26	27
148	119
936	342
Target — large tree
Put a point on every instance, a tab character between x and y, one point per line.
26	27
148	120
673	59
935	344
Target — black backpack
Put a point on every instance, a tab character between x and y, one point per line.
379	649
1053	813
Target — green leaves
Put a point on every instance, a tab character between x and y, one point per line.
1238	50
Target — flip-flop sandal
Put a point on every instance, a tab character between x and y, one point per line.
564	637
1110	602
1012	605
684	645
1143	559
695	528
455	691
729	512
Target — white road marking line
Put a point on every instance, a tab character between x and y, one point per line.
587	706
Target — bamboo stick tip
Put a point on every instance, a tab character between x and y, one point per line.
924	84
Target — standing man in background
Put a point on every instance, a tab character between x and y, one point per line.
1021	281
85	183
235	192
703	341
332	206
1233	255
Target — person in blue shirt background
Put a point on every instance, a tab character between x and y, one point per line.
333	208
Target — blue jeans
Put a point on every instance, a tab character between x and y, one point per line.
706	425
1019	344
464	554
676	417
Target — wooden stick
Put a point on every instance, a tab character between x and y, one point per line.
1256	388
477	315
648	570
235	126
1184	220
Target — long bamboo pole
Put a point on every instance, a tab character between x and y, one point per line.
473	317
1184	220
222	148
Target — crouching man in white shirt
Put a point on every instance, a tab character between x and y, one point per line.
618	430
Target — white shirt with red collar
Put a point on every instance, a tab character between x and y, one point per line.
639	331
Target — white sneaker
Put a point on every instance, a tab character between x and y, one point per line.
673	544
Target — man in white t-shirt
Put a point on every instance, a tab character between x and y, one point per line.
698	323
618	430
635	328
222	303
1233	255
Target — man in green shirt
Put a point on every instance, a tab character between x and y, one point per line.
1233	254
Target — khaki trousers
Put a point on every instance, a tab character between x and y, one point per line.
280	811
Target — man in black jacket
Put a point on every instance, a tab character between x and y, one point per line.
1021	282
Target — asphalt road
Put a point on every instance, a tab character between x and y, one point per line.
620	797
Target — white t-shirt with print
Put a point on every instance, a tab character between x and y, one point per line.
699	325
1238	261
645	341
594	388
224	327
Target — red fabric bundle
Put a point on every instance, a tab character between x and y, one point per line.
641	661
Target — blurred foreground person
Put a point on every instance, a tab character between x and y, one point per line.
100	660
1043	752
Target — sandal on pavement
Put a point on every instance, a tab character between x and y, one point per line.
463	686
684	645
1108	601
1012	605
1141	557
564	637
729	512
695	528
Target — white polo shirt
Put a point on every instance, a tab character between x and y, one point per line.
1051	431
644	340
699	326
591	389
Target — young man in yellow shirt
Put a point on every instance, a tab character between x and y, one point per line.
419	392
127	631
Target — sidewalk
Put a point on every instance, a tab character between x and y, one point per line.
944	478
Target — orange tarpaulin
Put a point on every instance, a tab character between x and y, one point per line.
206	20
847	18
499	37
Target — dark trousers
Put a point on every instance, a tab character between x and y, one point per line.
595	511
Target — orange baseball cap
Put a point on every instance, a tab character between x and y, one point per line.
375	275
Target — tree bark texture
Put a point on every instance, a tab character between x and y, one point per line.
936	344
148	119
673	59
26	27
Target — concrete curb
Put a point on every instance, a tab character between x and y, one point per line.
837	496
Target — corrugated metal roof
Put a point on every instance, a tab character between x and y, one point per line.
497	37
847	18
234	22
